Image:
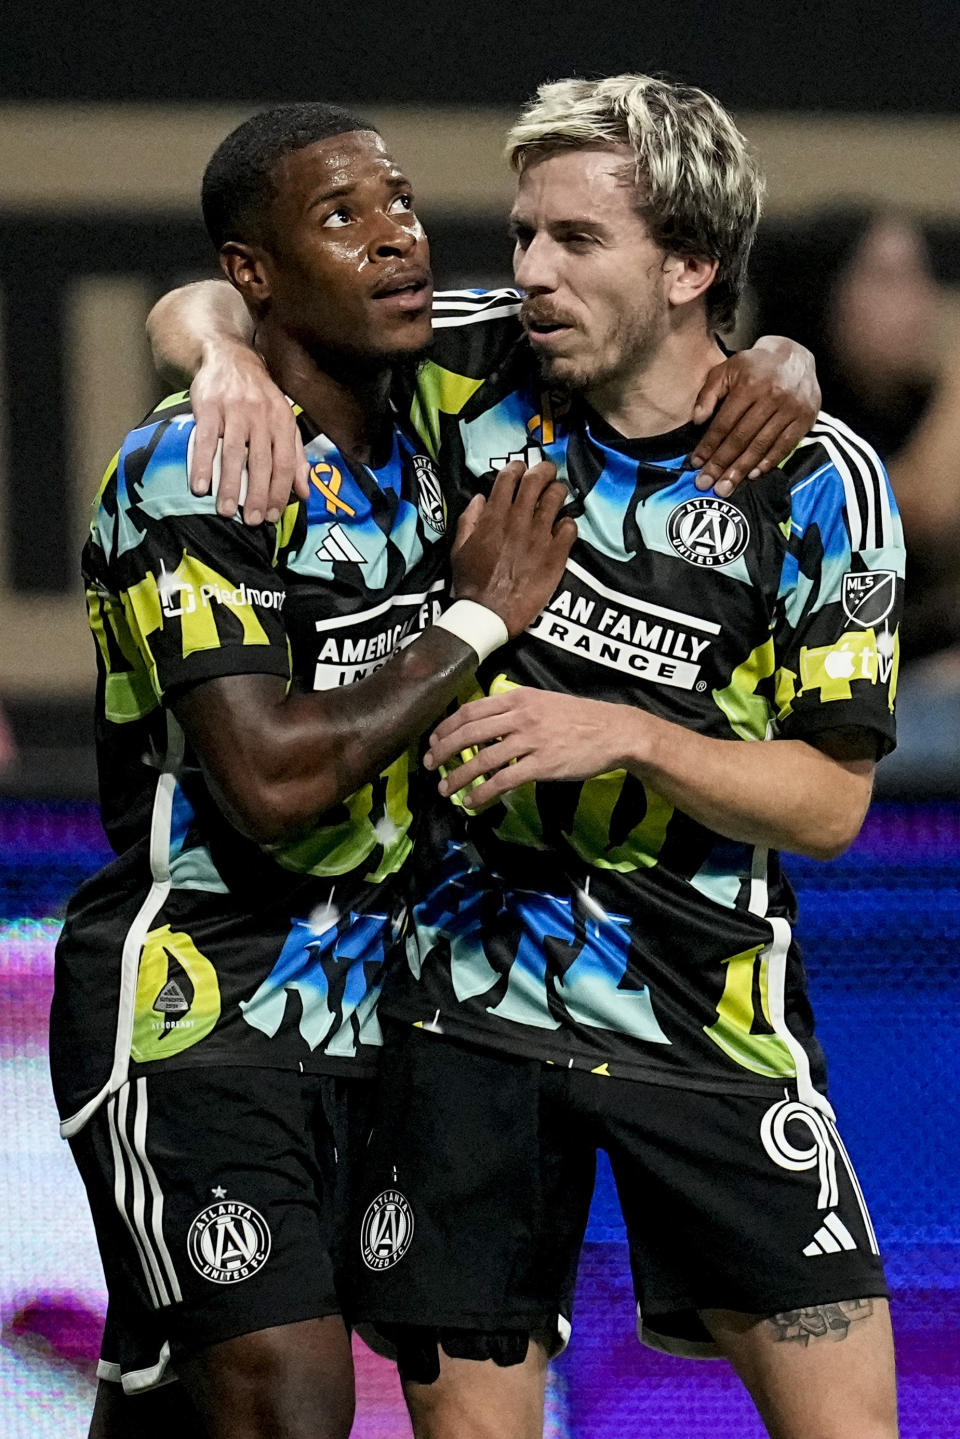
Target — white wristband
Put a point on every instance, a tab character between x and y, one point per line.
480	628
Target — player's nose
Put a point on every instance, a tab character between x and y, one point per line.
534	266
392	238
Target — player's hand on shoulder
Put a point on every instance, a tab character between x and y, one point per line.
246	436
763	402
510	550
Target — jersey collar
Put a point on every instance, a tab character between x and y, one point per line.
651	449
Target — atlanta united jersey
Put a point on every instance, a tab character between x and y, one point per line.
197	946
593	924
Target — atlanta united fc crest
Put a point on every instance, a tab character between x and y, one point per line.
386	1231
708	531
430	496
228	1242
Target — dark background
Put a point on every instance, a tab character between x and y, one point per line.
766	56
765	60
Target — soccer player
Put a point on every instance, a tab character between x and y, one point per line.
259	692
605	953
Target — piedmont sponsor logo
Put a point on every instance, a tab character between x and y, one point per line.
708	531
228	1242
183	598
647	646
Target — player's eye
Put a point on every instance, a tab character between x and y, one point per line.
337	219
402	204
521	235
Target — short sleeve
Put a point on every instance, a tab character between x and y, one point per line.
473	330
199	595
837	627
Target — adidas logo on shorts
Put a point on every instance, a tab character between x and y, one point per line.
832	1236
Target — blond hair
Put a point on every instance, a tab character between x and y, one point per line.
698	187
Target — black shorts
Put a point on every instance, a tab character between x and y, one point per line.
479	1174
220	1199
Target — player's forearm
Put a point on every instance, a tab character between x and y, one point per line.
276	761
185	323
364	726
785	794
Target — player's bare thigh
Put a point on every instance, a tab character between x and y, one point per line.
823	1372
478	1399
294	1380
291	1379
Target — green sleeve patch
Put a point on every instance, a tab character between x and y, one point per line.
286	527
832	669
141	607
786	692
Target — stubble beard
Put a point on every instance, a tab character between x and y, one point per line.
625	355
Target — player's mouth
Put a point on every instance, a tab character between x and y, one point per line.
407	289
545	329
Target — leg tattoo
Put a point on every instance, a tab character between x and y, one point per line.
821	1321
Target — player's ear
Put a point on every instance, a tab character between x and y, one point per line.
688	277
245	268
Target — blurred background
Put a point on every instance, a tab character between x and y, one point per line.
108	114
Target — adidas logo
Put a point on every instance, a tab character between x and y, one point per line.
832	1236
338	546
171	999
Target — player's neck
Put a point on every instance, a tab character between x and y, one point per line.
349	403
659	394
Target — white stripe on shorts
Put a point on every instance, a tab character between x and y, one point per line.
147	1231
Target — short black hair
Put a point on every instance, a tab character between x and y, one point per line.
238	181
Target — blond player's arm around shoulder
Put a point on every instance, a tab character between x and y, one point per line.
247	441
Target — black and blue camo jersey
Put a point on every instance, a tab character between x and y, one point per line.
593	924
197	946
